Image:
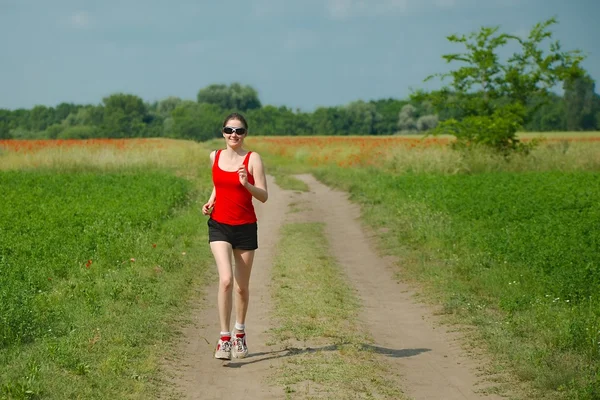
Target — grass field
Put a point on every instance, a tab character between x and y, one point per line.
509	247
100	247
95	261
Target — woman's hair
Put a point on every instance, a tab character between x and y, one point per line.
237	116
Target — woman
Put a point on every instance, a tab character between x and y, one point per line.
238	177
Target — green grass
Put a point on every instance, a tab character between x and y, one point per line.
288	182
94	267
516	254
316	312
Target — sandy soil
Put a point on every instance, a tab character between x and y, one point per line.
428	359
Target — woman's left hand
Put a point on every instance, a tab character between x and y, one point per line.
243	175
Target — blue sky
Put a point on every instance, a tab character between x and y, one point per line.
301	54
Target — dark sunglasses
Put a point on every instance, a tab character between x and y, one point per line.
239	131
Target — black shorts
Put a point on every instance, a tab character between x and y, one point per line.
243	237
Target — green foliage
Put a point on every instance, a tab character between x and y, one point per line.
363	118
190	120
127	116
487	89
166	106
427	122
53	131
388	109
75	132
54	227
5	124
327	121
407	121
40	118
235	97
89	115
124	116
271	120
546	114
581	103
497	131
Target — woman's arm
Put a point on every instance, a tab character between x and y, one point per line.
259	189
207	207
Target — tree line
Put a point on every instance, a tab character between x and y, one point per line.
127	115
484	93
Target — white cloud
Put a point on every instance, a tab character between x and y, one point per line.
80	19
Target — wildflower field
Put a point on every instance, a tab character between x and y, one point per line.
101	242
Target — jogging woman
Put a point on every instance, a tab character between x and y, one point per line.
238	177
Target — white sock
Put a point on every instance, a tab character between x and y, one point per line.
240	327
226	334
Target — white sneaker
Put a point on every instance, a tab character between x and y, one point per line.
223	351
239	347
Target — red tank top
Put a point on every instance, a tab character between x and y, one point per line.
233	202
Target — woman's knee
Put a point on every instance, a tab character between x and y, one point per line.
226	282
243	291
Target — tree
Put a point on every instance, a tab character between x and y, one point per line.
5	124
427	122
235	97
88	115
330	121
78	132
406	118
546	114
63	110
40	117
166	106
492	96
190	120
581	103
389	110
123	116
271	120
363	118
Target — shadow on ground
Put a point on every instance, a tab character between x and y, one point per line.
292	351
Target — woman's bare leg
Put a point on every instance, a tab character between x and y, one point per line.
243	268
222	253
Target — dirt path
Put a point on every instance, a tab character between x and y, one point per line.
427	358
197	374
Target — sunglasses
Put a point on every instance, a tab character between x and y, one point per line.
239	131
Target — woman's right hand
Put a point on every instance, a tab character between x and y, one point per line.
207	208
